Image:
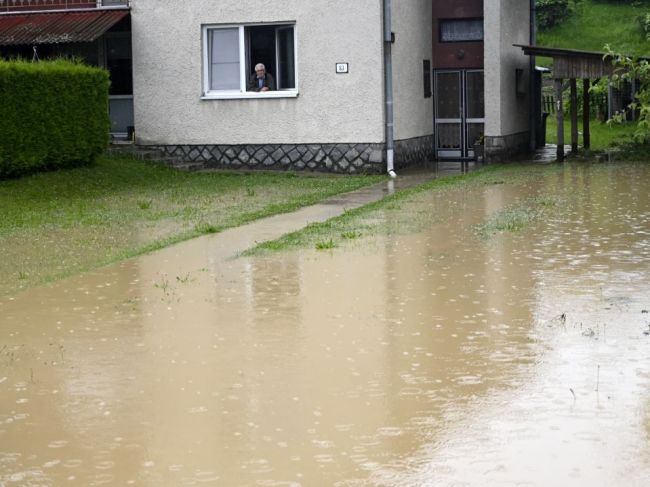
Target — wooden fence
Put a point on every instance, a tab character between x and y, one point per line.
598	105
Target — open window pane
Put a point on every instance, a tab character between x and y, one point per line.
286	59
261	48
224	59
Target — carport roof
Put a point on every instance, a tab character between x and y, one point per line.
572	63
57	27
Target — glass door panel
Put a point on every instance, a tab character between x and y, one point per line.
474	110
474	94
474	135
448	110
449	136
448	95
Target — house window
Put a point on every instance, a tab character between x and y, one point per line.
461	30
232	52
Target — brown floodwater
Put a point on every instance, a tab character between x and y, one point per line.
430	359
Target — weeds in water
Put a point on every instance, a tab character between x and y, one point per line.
144	204
185	279
350	235
163	285
515	218
326	245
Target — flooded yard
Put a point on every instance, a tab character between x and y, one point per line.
444	357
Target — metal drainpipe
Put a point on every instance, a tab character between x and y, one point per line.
532	119
388	83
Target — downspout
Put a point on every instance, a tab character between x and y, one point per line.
388	84
532	118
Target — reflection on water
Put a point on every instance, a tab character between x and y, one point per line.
428	359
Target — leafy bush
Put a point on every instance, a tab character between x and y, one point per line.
634	69
551	13
53	114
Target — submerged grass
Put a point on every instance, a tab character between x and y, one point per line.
397	213
60	223
517	217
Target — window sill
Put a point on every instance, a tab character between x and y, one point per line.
238	95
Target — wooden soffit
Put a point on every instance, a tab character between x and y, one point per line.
571	63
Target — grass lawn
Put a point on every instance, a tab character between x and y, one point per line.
603	135
61	223
596	23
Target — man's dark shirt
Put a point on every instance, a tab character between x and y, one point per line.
253	83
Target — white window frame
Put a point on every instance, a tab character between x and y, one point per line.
241	93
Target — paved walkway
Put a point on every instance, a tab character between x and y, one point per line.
233	241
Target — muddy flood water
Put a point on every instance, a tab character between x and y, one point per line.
431	359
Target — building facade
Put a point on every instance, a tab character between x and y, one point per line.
350	91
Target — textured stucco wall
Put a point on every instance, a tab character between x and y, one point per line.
167	57
506	23
413	114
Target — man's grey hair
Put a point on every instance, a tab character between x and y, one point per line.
260	66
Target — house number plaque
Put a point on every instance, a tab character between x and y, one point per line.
341	68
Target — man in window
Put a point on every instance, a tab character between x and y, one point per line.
261	80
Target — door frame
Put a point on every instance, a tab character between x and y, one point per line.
117	99
464	152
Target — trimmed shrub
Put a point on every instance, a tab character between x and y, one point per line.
53	114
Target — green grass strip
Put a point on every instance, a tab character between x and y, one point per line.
358	222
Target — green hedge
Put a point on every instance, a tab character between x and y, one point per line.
53	114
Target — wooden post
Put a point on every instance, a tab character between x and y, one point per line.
574	116
586	110
559	112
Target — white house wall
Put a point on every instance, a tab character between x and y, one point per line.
412	24
506	112
330	107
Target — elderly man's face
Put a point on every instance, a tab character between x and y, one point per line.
260	72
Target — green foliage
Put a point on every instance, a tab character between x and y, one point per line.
551	13
597	22
629	69
53	114
644	20
326	245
